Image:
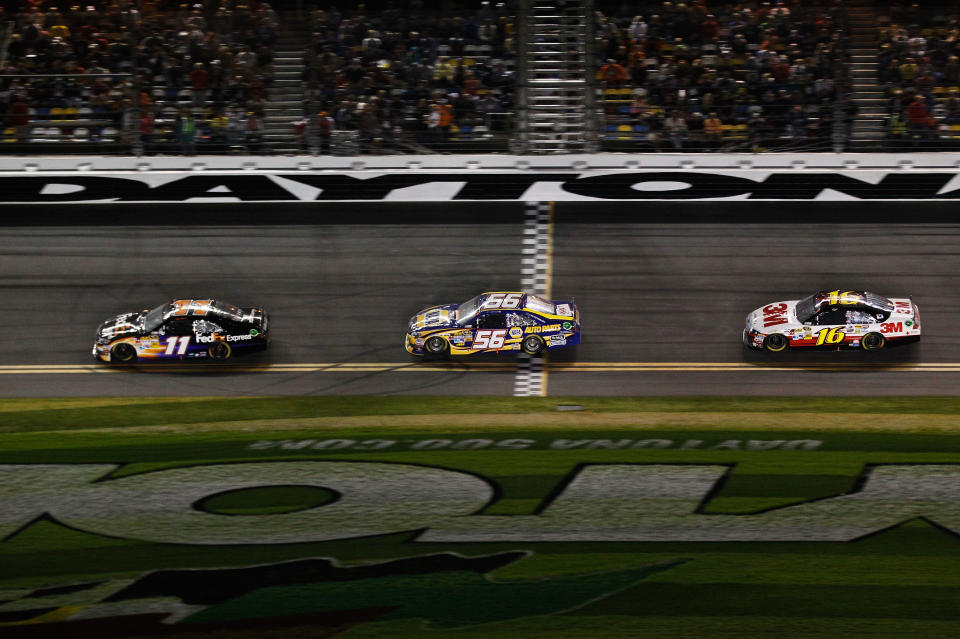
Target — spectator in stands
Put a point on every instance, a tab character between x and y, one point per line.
613	74
146	129
713	130
323	127
18	116
199	84
676	128
918	118
187	132
253	135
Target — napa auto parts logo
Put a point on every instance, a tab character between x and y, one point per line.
595	502
476	185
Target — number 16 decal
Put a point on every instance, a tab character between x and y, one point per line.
831	336
490	338
172	345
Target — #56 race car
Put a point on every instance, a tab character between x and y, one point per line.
182	329
493	322
834	320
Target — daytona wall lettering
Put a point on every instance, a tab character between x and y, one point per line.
493	186
597	502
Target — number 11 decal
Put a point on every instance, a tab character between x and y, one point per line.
172	345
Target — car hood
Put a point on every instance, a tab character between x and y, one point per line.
773	317
120	326
435	317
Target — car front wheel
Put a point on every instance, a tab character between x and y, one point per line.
775	343
436	346
123	353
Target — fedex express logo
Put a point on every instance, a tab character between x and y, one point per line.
482	185
594	502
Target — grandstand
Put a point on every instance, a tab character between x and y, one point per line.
533	76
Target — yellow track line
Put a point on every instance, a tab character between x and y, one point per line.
476	367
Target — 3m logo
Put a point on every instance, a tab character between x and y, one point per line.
774	314
891	327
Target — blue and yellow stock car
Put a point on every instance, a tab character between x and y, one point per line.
494	322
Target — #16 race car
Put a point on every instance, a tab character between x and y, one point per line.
182	329
834	320
494	322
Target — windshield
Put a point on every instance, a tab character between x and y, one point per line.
467	310
806	308
154	318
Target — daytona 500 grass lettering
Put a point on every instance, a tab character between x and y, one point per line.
182	329
118	519
833	320
494	322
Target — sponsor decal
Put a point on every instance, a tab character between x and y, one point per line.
456	185
516	333
546	328
567	326
774	315
218	337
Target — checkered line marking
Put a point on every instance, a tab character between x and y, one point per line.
535	276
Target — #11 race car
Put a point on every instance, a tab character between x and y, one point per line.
494	322
834	320
182	329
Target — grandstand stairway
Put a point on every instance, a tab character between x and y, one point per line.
869	96
286	102
555	81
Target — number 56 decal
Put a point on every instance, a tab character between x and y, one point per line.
503	300
490	338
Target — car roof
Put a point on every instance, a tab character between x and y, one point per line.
190	308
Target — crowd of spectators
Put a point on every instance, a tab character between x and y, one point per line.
433	76
138	71
688	74
919	67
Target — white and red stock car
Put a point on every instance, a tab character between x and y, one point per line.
833	320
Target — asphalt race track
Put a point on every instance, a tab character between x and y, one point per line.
663	300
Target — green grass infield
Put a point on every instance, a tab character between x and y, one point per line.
363	517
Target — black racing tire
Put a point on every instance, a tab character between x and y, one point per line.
532	345
219	351
873	342
124	353
436	346
776	343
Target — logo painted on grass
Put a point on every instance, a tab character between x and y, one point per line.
318	592
595	502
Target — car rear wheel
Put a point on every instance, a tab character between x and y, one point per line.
436	346
123	353
775	343
532	345
873	342
219	351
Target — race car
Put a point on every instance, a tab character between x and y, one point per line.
182	329
833	320
494	322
